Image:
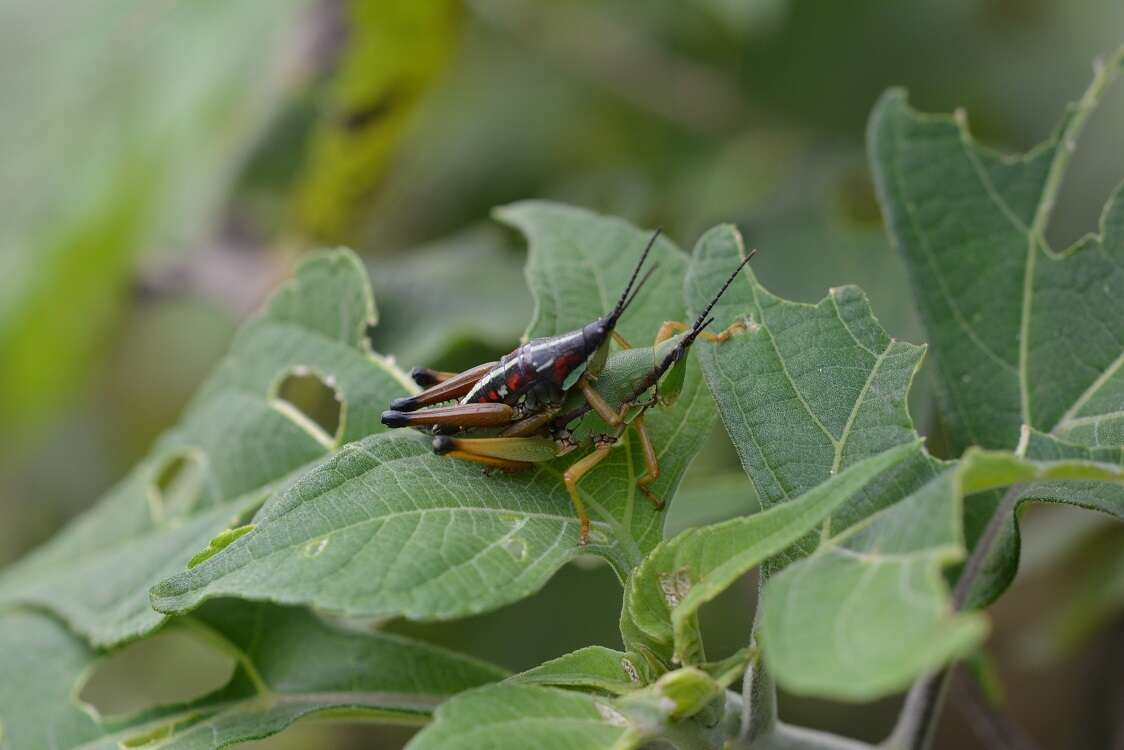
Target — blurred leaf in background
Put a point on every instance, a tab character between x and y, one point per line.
393	52
120	140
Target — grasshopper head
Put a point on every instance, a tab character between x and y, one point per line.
596	334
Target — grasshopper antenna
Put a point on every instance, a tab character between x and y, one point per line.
643	280
702	322
626	298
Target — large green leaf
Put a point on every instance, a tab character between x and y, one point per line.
868	611
108	158
685	708
805	391
39	706
236	443
289	665
1022	335
387	528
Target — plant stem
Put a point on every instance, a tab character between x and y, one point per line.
917	720
982	550
759	693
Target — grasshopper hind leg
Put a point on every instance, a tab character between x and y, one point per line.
443	386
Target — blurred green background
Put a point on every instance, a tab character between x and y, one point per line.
165	162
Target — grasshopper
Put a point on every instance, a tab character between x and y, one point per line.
596	408
525	388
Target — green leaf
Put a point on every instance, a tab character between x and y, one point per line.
593	667
289	665
386	528
432	298
394	52
110	159
39	709
1002	561
807	390
236	443
522	716
1022	335
664	594
869	611
514	715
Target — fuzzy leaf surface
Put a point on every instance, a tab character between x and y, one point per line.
868	611
1022	335
593	668
520	716
805	392
236	443
664	594
149	165
289	665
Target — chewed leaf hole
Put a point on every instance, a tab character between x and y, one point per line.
312	400
170	667
176	486
517	548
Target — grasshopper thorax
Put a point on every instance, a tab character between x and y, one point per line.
540	372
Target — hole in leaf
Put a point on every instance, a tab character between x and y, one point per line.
312	400
517	548
726	619
170	667
176	486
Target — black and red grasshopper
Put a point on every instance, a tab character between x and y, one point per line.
596	414
524	389
593	409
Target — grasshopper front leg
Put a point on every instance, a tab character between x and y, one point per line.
672	327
